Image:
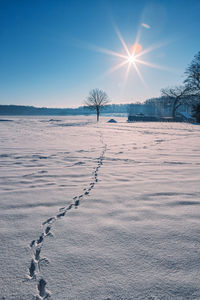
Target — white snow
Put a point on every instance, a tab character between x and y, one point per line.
132	230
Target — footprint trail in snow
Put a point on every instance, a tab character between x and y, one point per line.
36	245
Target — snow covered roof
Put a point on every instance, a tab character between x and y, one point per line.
186	115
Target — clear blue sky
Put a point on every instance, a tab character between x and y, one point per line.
48	55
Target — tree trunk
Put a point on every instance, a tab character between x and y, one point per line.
98	112
174	107
173	112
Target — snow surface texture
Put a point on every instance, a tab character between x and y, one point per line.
107	211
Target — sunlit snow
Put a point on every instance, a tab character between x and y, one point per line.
107	211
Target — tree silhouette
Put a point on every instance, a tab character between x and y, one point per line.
177	96
96	100
193	75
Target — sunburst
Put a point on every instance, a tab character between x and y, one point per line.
131	58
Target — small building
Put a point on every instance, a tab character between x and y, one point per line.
184	117
142	118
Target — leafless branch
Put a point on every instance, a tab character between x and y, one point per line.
96	100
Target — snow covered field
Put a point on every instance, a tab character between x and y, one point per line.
108	211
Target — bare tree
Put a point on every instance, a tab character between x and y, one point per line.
177	96
96	100
193	75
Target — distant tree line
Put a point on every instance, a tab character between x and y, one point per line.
31	110
20	110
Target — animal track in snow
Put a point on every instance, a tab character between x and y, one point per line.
32	269
48	220
43	293
36	245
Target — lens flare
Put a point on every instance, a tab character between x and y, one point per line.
130	56
136	48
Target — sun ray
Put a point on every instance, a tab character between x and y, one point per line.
139	74
116	67
127	73
152	47
89	46
107	51
122	40
146	63
137	39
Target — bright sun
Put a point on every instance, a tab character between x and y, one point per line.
131	59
